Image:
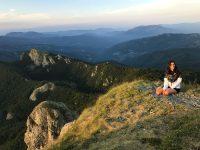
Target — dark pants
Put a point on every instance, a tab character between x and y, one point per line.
177	90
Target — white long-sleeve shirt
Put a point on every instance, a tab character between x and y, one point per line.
175	84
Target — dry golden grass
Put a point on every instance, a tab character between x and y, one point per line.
130	106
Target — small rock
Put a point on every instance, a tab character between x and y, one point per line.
139	126
9	116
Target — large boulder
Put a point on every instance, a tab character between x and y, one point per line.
45	123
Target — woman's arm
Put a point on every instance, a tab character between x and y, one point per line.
177	82
166	83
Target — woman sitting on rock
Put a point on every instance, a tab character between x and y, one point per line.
172	80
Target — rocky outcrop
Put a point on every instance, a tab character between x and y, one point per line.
68	60
9	116
46	87
40	58
45	123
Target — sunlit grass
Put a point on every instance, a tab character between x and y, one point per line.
130	106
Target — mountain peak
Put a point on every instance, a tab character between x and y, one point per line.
151	28
42	58
29	34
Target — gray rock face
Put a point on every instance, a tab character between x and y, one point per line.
46	87
40	58
45	123
44	59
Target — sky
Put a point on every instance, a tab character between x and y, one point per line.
18	14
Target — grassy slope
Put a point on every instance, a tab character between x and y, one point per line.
130	116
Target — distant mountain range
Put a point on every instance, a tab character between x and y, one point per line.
82	44
135	52
103	44
86	47
30	34
83	41
142	32
186	59
156	43
193	27
185	27
134	33
98	31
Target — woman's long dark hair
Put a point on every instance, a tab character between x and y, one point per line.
168	67
172	76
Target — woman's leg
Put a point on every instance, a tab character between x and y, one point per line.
169	91
159	91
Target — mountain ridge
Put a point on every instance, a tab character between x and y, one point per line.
161	43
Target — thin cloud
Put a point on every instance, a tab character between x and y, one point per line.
151	12
164	11
13	16
12	10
